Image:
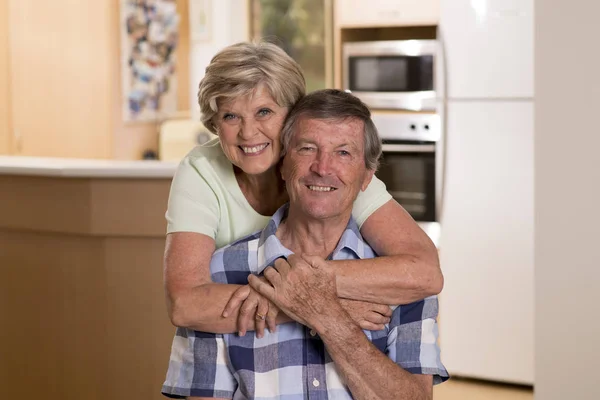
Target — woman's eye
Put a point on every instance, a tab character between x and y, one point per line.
343	153
264	112
228	117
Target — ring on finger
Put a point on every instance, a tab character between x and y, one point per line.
260	316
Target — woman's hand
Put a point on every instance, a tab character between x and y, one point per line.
369	316
255	311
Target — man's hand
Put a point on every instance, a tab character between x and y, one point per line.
252	306
303	288
369	316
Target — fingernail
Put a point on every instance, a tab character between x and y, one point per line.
242	333
225	314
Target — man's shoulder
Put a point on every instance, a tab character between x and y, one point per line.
352	239
245	244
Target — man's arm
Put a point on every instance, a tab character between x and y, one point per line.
368	372
307	293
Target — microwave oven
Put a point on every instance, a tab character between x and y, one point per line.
391	74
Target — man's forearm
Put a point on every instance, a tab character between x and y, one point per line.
368	373
201	309
399	279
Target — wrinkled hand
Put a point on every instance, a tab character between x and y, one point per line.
303	287
369	316
254	310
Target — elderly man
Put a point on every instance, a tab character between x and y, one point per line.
332	148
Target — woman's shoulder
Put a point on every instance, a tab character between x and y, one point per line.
207	158
210	150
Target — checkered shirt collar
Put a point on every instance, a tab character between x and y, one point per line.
270	247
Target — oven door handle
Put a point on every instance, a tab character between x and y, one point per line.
408	148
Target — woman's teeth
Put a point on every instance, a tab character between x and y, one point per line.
255	149
321	188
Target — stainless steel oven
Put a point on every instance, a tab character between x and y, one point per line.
409	164
391	74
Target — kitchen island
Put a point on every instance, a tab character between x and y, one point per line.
82	309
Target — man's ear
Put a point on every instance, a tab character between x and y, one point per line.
367	179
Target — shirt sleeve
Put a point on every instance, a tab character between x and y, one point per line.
370	200
199	366
193	204
413	339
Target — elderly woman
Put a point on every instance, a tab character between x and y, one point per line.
230	187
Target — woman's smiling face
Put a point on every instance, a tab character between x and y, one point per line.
249	128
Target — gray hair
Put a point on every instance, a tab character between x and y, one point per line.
238	69
336	105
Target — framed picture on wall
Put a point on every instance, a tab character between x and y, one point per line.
149	35
200	17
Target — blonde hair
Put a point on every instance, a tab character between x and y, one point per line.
237	70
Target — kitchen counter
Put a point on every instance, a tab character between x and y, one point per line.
77	168
81	248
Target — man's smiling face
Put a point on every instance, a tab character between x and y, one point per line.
324	168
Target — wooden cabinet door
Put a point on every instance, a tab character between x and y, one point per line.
374	13
60	75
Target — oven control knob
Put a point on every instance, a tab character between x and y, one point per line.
426	127
413	127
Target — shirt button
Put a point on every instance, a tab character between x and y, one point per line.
316	383
312	332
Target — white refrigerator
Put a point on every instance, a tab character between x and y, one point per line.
485	81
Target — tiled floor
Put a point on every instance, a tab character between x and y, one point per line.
462	389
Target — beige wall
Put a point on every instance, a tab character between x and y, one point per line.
567	204
5	135
60	77
64	97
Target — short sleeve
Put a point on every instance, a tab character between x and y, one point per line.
370	200
413	339
199	366
193	204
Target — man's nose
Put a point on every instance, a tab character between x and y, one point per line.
322	164
248	128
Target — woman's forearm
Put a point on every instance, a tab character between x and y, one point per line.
399	279
201	308
408	268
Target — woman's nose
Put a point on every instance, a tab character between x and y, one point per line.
248	129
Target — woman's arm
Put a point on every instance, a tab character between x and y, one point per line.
193	300
407	270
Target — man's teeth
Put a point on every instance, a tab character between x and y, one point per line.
321	188
255	149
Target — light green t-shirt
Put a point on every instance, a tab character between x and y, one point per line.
206	198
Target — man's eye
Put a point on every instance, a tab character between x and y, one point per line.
343	153
305	149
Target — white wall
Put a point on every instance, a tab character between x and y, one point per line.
228	25
567	176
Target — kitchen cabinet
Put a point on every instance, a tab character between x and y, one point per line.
82	307
381	13
63	74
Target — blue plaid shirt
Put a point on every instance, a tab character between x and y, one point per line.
292	363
